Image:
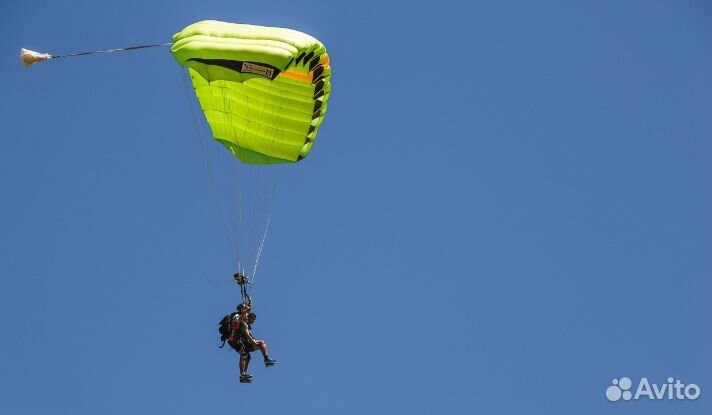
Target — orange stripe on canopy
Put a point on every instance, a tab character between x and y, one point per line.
305	77
297	76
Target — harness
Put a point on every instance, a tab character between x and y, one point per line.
230	324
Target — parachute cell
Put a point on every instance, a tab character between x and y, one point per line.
263	90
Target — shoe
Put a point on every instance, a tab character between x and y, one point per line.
245	378
269	362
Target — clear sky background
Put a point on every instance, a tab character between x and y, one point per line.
508	205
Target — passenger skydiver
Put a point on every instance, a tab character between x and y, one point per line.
246	344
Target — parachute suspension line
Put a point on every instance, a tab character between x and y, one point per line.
253	189
234	195
256	210
269	195
204	150
237	206
268	199
259	250
230	191
243	282
270	204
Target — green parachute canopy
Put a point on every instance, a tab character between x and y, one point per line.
263	89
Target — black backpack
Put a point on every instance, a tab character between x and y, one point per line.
225	327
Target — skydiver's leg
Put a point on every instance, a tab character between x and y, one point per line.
262	345
243	365
244	352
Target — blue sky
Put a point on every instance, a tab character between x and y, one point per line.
508	206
